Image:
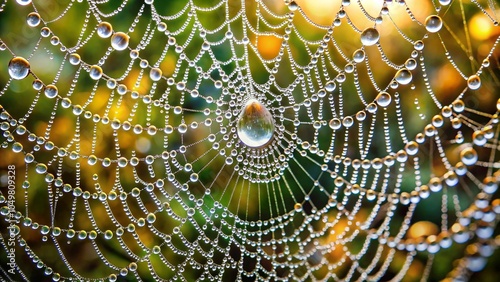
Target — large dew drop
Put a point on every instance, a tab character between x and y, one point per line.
468	156
119	41
370	36
474	82
383	99
403	76
104	29
433	23
255	125
19	68
33	19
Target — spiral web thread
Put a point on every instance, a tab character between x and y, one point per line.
129	164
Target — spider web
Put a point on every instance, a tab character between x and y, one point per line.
125	144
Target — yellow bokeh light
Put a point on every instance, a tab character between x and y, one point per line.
480	27
422	229
320	11
268	46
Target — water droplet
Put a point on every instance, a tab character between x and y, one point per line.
181	86
450	178
51	91
298	207
19	68
182	128
193	177
23	2
330	86
151	218
433	23
403	76
418	45
370	36
74	59
41	168
293	6
358	56
348	121
92	160
255	125
478	138
155	74
468	156
82	234
17	147
458	106
122	162
45	31
335	123
383	99
411	64
33	19
104	30
108	234
37	84
95	72
54	40
119	41
45	229
162	27
474	82
411	148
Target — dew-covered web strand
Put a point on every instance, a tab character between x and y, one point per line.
293	149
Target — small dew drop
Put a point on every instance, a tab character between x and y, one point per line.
298	207
108	234
19	68
358	56
255	126
193	177
418	45
181	86
122	162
